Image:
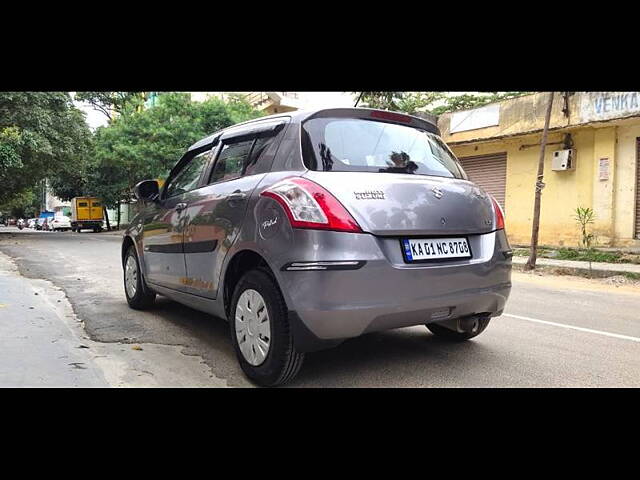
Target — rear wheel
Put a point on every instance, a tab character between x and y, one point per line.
478	327
138	297
260	331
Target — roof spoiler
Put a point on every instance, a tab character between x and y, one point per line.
378	115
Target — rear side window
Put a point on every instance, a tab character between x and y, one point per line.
96	204
360	145
83	204
257	153
232	160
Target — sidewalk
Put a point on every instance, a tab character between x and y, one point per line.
595	266
38	348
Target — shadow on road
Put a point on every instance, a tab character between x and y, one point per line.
378	359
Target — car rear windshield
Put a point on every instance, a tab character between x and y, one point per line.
360	145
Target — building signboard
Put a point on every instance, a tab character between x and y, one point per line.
597	106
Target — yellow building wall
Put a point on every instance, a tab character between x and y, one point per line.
563	192
604	147
613	200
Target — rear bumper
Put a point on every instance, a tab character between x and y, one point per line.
387	293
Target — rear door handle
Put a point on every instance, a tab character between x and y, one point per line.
180	207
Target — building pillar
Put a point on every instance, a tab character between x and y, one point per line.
604	150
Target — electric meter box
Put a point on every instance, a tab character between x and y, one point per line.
563	160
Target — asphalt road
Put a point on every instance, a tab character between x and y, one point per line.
556	332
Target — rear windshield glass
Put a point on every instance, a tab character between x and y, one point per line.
359	145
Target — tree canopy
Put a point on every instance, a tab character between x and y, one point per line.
147	144
435	103
40	133
110	103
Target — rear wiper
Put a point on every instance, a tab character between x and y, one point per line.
410	167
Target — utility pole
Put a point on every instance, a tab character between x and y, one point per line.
531	263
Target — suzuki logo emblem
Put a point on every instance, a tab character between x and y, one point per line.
437	192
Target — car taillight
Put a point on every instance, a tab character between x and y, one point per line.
308	205
499	214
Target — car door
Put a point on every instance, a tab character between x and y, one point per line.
216	211
165	222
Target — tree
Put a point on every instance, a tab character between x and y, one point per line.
109	102
435	103
140	145
40	133
25	204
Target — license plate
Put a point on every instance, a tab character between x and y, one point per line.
421	249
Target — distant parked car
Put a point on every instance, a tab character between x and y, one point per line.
32	223
39	223
60	223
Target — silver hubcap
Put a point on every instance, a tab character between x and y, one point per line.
131	276
253	330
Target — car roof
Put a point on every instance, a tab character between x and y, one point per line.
298	116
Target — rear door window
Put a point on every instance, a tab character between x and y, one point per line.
360	145
232	161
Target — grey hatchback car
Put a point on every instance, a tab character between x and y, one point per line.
307	228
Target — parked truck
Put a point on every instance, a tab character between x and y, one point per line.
86	213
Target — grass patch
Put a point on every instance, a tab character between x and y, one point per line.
591	255
588	255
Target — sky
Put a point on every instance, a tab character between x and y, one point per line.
94	118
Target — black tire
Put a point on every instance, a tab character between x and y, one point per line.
283	362
452	335
144	297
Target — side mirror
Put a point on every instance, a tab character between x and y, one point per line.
147	190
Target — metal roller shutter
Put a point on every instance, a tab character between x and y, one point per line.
638	188
490	172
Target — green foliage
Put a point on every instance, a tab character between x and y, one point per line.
40	133
584	217
468	101
24	204
140	145
435	103
110	102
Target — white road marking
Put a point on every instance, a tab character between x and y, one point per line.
571	327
